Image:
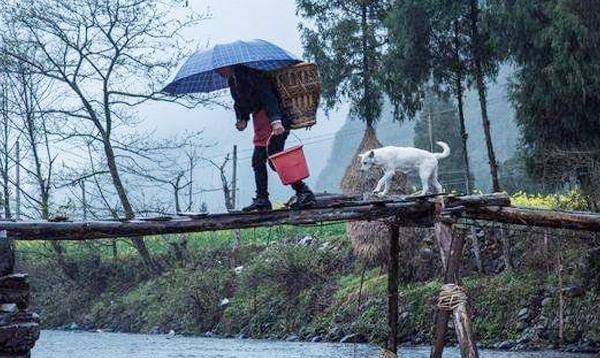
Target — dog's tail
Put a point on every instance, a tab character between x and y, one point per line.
445	153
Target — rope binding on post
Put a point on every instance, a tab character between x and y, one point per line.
451	296
386	353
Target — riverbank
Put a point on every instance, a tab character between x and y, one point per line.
300	285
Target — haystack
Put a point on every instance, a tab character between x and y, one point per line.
370	239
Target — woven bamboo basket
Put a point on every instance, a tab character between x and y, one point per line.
299	89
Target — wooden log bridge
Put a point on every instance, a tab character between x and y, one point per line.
411	211
19	328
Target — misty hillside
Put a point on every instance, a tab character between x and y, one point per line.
504	132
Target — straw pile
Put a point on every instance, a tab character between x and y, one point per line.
370	239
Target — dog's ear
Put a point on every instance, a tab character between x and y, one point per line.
371	154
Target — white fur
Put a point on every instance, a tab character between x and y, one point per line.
405	159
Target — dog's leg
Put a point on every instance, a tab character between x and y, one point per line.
387	178
424	175
379	185
436	184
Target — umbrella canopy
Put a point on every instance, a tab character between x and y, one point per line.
199	74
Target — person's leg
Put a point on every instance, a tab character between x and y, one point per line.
259	165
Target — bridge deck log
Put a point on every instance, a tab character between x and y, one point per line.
415	212
535	217
411	211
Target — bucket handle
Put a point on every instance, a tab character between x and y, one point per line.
271	136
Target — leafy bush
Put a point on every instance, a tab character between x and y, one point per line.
280	289
183	300
571	200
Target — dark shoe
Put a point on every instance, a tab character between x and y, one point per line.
304	200
259	204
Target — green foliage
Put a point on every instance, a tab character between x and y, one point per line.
433	40
515	177
281	288
409	59
184	300
557	49
496	302
571	200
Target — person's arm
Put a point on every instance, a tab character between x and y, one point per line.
241	113
269	99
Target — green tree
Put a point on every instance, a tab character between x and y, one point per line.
346	40
556	46
515	177
484	57
437	122
445	43
427	42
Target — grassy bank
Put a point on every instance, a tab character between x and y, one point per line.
290	283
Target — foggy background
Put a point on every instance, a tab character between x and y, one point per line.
232	20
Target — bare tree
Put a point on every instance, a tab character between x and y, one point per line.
168	163
28	95
110	55
226	185
5	146
28	91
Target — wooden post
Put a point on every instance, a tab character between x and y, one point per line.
451	247
237	232
83	199
505	249
393	269
18	182
234	178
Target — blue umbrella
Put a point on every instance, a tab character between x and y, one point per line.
199	73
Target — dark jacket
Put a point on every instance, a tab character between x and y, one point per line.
252	91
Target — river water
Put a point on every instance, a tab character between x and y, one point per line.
60	344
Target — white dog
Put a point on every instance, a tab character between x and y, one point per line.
405	159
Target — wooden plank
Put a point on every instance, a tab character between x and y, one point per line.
413	211
451	201
536	217
469	201
100	229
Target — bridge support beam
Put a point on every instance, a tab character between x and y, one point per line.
451	247
19	328
393	269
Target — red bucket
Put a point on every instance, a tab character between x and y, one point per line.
290	165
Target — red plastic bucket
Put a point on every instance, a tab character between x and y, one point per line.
290	165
